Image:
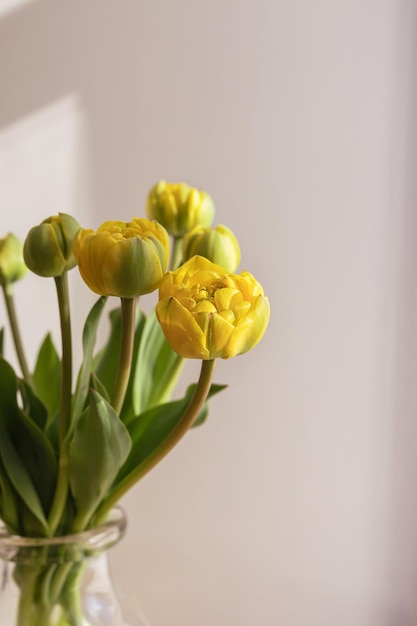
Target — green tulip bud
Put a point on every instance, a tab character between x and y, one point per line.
12	265
48	247
179	207
219	245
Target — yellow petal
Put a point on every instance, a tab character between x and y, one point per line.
205	306
111	226
181	330
249	328
97	248
228	315
227	298
131	267
219	333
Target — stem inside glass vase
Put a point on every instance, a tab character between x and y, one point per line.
61	581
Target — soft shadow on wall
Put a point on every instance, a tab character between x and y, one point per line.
70	55
401	565
100	54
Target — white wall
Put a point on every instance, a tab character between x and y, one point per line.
296	503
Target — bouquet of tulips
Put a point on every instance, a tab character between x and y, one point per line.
71	448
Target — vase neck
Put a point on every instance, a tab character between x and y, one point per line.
67	548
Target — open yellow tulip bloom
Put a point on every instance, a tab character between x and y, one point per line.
206	313
123	259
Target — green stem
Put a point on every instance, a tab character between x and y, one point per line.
190	414
50	594
126	352
30	610
61	490
176	255
71	596
11	312
66	387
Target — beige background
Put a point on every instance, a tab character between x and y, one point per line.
296	504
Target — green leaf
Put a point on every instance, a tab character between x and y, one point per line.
152	427
9	509
157	368
97	385
8	387
1	341
100	445
38	456
106	361
47	377
26	454
32	405
89	341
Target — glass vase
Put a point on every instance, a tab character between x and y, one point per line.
62	581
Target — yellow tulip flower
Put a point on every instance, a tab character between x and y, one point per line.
219	245
12	265
179	207
48	247
206	313
123	259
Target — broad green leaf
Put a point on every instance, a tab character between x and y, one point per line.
32	405
18	475
100	445
37	454
47	377
106	361
9	509
157	368
8	387
96	384
152	427
26	454
29	523
1	341
89	341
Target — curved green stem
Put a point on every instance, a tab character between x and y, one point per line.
11	312
61	490
126	352
176	255
190	414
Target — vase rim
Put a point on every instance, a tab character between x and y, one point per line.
87	542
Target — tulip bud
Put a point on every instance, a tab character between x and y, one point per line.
206	313
179	207
219	245
48	247
12	265
123	259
